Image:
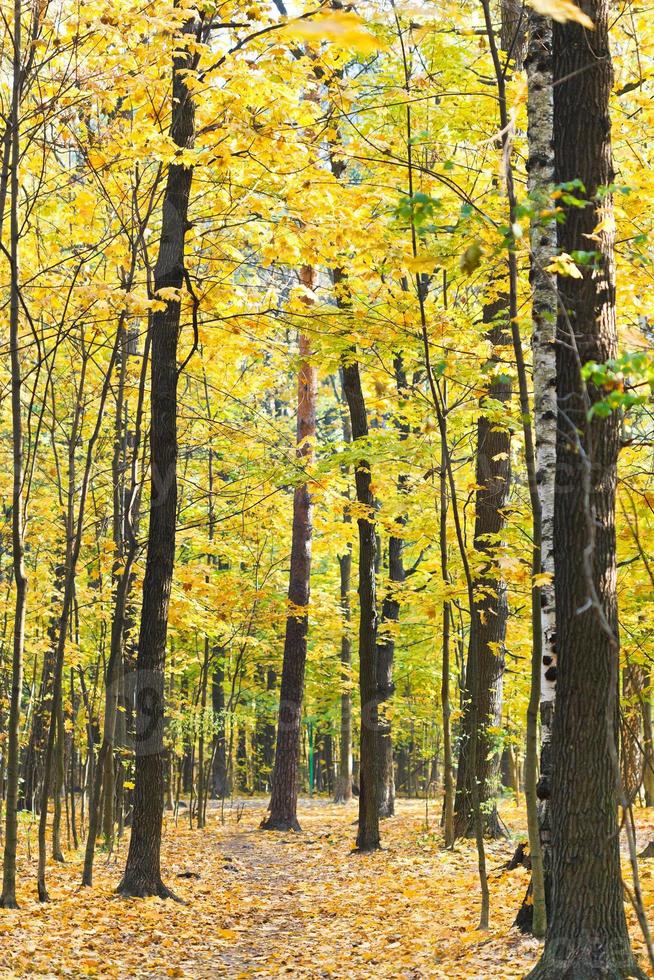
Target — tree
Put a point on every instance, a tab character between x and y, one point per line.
587	933
368	829
485	663
8	899
283	801
142	876
544	312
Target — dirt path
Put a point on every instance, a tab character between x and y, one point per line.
267	905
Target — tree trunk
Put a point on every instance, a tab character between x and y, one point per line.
8	899
390	614
485	664
142	875
344	781
283	800
220	782
368	832
587	934
544	313
648	743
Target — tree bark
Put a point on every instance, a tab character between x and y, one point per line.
220	781
8	899
390	614
283	800
587	935
544	312
368	828
485	663
344	781
142	875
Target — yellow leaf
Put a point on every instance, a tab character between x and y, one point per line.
343	28
564	265
544	578
562	10
422	263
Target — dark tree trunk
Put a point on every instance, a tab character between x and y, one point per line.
368	833
283	800
587	935
390	614
344	782
485	664
220	780
142	875
8	897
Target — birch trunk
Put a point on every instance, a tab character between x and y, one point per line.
544	312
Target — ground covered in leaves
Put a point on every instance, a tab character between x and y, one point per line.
261	904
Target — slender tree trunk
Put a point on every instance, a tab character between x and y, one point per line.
58	784
142	875
220	787
8	899
587	934
390	615
203	711
111	701
344	781
648	743
544	313
448	769
632	756
485	664
283	800
73	763
368	832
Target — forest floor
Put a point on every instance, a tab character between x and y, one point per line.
262	904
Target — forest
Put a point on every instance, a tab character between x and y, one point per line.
327	489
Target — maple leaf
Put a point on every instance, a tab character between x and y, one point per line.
343	28
561	11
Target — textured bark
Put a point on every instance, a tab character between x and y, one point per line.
220	779
587	935
390	614
514	30
344	781
485	663
142	875
283	799
368	827
544	312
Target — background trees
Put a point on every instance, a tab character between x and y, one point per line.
154	344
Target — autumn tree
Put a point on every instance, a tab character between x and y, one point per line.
283	802
587	933
142	874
